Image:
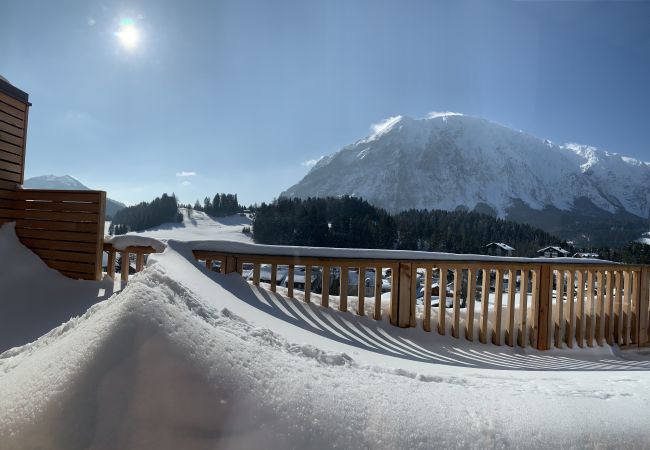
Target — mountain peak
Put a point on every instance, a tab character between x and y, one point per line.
54	182
448	160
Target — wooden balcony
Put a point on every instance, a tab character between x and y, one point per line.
545	302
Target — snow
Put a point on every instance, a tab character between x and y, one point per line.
34	298
185	358
248	248
446	160
502	245
197	225
121	242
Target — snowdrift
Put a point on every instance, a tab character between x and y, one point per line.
182	358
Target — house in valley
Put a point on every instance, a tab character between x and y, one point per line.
499	249
553	251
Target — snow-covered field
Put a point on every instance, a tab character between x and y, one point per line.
184	358
198	226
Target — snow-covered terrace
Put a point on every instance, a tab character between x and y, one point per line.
183	357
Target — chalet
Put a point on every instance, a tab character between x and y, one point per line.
553	251
499	249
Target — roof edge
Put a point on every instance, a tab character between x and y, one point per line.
13	92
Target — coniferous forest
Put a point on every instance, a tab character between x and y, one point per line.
219	206
353	222
146	215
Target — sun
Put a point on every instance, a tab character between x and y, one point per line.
128	35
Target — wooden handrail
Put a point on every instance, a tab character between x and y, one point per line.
138	250
547	303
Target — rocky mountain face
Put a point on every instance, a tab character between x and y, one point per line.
69	183
449	161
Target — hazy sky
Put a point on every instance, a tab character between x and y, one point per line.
198	97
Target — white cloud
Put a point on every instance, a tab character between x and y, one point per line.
384	124
185	174
310	162
185	183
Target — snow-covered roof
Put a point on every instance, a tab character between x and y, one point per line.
506	247
554	248
586	255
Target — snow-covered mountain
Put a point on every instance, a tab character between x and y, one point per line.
449	160
69	183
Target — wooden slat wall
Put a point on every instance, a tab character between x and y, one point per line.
13	134
65	228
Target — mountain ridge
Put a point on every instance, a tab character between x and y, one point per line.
449	161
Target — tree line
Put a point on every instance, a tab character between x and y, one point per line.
324	222
146	215
353	222
219	206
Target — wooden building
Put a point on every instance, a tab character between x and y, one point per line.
553	251
499	249
64	228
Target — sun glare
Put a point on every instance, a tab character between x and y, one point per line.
128	34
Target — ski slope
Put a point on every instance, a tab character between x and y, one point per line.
197	225
185	358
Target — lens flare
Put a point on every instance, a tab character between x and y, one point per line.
128	35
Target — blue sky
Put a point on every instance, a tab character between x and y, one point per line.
235	96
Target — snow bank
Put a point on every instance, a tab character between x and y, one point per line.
34	298
248	248
121	242
183	358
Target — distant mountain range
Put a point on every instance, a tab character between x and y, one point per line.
69	183
450	161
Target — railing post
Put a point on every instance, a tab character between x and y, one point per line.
343	289
642	307
361	292
378	284
256	274
394	294
543	304
290	280
274	276
523	307
111	263
325	287
230	264
307	283
402	280
124	266
139	262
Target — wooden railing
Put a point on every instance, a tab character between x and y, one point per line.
125	258
512	301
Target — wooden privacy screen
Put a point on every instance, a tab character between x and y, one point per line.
64	228
13	129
